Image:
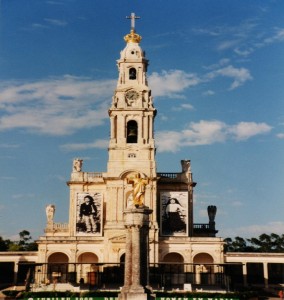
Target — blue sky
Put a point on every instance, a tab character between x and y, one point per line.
216	73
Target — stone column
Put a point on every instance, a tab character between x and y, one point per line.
265	274
136	260
128	261
16	269
136	287
245	277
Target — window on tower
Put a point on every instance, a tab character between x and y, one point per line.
132	73
132	130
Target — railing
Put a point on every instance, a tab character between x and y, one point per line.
93	174
168	175
86	176
201	226
166	276
61	226
57	227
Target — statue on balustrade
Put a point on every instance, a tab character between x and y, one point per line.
77	165
50	210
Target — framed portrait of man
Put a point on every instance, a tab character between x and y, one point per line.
174	213
89	214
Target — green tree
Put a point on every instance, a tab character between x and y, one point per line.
14	246
25	243
264	243
25	237
3	244
239	244
268	243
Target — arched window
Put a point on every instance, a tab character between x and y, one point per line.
132	131
132	73
58	267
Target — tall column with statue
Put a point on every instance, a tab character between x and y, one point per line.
136	221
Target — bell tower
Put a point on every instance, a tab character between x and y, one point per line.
132	113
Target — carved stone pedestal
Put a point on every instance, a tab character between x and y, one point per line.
136	273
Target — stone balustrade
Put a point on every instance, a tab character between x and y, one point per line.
57	227
87	176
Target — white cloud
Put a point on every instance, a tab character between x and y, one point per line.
244	52
228	44
239	75
222	69
171	83
5	145
38	26
254	230
202	133
60	106
56	106
187	106
47	23
208	93
228	37
237	203
163	117
221	63
277	36
56	22
280	135
168	141
207	133
244	38
245	130
184	106
100	144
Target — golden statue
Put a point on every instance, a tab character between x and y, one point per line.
138	192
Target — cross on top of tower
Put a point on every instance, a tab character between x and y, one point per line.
132	37
133	17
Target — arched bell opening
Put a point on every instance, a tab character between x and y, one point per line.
132	132
132	74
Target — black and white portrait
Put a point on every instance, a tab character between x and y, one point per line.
88	214
174	212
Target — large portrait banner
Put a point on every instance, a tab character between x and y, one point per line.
174	213
89	214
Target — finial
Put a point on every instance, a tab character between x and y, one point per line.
132	36
133	17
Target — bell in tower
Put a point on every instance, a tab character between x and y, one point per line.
132	132
132	74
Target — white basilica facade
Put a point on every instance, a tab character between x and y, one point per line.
90	248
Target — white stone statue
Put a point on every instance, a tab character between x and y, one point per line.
77	165
185	164
50	210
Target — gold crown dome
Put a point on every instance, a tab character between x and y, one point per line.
133	37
